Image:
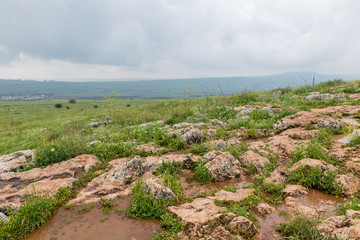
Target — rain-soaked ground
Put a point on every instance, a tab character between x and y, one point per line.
94	224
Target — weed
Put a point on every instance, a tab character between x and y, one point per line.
268	192
200	149
202	174
169	167
85	208
107	205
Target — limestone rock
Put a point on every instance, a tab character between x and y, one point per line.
157	189
197	212
242	224
218	122
150	148
294	190
349	183
303	119
308	163
223	166
3	217
254	159
129	171
218	144
324	96
16	160
299	133
97	124
237	196
277	176
44	180
264	209
193	136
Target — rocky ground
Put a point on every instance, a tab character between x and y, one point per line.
235	196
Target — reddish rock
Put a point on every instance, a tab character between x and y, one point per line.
294	190
277	176
349	183
264	209
44	180
308	163
254	159
223	166
237	196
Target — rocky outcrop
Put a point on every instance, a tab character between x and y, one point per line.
277	176
237	196
97	124
348	183
303	119
16	161
264	209
197	212
342	227
283	146
156	188
150	148
299	133
325	96
294	190
217	144
313	163
44	180
223	166
193	136
254	159
120	178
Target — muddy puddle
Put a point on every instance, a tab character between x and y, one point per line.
314	198
346	138
94	224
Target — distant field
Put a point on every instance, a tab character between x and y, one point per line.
157	89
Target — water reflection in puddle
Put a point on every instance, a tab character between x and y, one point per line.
314	198
68	224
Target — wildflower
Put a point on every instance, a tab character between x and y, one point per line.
52	149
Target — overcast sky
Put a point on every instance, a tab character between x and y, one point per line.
57	39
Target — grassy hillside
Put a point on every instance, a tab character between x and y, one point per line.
159	89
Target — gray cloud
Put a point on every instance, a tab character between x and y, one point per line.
202	36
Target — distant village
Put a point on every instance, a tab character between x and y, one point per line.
23	98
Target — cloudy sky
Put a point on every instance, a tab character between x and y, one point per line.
58	39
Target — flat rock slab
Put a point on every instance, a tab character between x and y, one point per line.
44	180
197	212
237	196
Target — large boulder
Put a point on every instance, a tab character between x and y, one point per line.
223	166
16	161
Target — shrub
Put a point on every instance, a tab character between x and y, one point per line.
72	100
58	105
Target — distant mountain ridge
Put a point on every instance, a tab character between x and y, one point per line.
163	88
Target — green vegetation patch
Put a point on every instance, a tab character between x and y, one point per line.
316	178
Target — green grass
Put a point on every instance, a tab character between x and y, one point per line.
301	228
316	178
143	205
353	204
202	174
171	226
